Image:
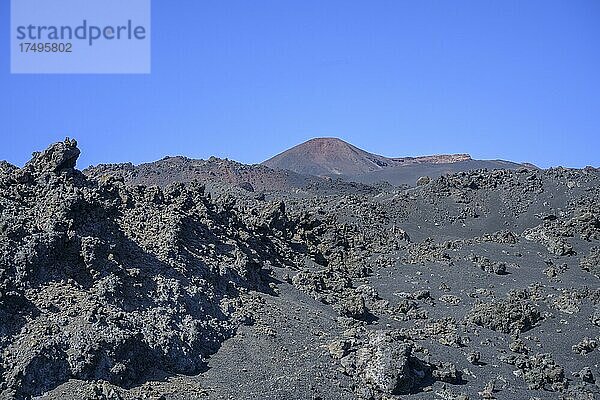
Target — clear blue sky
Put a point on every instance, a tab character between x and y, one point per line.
517	80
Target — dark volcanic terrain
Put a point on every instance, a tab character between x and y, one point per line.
218	173
333	157
190	279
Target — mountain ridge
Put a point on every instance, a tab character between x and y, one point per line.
333	157
217	172
310	164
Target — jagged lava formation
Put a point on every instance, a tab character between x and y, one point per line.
475	284
99	281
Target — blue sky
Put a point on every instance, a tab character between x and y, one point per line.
517	80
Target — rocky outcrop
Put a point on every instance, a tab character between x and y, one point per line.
58	157
383	362
100	281
506	316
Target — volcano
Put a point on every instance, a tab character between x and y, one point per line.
334	157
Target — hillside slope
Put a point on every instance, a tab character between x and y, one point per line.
336	158
218	173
